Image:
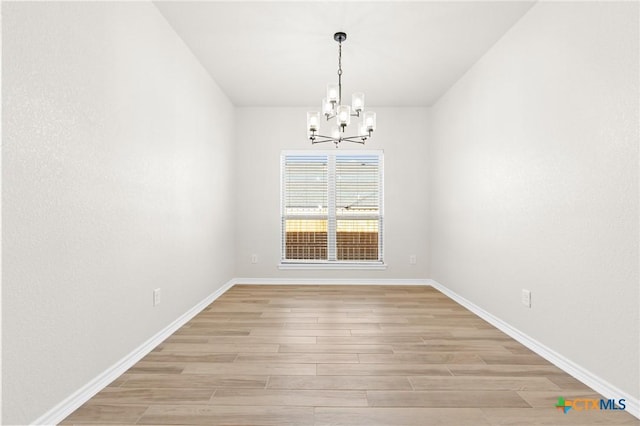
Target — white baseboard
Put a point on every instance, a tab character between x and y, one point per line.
332	281
580	373
82	395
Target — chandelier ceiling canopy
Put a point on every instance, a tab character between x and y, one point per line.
332	108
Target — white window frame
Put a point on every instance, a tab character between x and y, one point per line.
331	216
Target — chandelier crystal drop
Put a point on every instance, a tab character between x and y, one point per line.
332	108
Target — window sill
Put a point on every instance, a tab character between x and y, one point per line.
333	265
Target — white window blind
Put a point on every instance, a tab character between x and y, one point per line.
332	207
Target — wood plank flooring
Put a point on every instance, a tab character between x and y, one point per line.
340	355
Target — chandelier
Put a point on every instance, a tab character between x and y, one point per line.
332	107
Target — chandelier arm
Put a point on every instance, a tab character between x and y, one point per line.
355	139
317	135
313	142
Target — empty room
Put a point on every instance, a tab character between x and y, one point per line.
320	213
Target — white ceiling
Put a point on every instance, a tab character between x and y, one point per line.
283	53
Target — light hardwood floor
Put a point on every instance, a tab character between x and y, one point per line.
340	355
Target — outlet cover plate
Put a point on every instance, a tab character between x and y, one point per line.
526	298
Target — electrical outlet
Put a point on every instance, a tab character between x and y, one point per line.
412	259
156	297
254	258
526	298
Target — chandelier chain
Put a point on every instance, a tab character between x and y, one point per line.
339	73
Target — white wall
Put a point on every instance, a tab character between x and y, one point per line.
533	184
262	133
117	159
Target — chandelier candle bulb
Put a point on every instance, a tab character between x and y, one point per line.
344	115
327	108
332	93
362	130
357	102
370	120
313	121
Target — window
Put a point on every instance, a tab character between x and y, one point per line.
332	207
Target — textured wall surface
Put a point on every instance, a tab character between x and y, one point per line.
125	168
534	184
117	159
401	134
